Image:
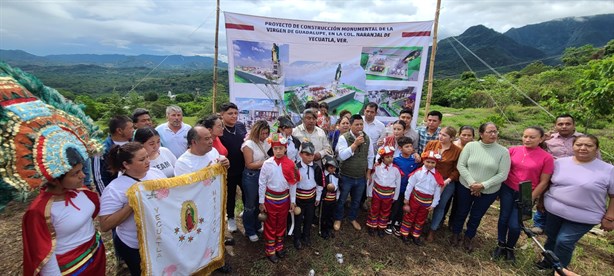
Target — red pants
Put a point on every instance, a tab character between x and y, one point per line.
381	203
414	220
277	205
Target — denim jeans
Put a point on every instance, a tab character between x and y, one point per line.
440	210
563	235
539	219
250	205
354	186
508	225
474	206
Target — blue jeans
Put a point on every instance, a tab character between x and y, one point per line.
474	206
508	226
250	206
563	235
354	186
440	210
539	219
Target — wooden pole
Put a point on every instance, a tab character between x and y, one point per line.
432	62
217	29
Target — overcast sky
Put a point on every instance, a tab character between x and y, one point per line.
186	27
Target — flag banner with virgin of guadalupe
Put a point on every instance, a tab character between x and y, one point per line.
180	222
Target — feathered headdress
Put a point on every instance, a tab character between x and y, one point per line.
38	124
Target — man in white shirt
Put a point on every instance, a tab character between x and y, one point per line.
375	129
200	154
309	132
174	132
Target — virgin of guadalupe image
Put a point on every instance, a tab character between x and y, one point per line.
188	216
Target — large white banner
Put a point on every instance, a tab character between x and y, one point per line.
180	222
277	65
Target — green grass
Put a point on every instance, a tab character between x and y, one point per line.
512	124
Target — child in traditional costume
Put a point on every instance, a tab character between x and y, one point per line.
46	149
277	196
308	194
407	164
385	189
329	197
421	197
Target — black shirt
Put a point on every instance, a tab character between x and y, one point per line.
232	139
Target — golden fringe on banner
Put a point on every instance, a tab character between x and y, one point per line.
178	181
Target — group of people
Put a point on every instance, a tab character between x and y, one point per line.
402	174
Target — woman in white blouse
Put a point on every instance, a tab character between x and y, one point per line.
160	158
255	153
132	160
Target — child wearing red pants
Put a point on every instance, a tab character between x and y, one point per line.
421	197
277	196
386	186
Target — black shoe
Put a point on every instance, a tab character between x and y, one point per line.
273	258
543	265
371	231
510	256
389	230
297	244
500	251
225	269
281	254
396	230
405	239
325	235
380	233
306	241
229	241
417	241
455	239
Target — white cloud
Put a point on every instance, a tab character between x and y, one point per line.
187	26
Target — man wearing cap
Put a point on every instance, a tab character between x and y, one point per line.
309	132
308	194
356	154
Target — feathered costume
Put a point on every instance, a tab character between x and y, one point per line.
38	125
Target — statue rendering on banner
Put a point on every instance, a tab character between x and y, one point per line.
338	73
275	54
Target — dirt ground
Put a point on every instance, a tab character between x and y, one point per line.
362	254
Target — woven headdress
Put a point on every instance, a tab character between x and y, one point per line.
38	125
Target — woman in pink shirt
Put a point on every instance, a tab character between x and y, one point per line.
529	163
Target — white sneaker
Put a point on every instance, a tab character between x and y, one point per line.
232	225
241	214
261	229
253	238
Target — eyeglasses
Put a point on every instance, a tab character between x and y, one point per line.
491	132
